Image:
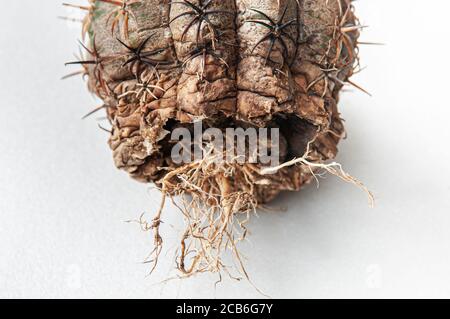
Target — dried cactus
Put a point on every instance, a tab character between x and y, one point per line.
159	65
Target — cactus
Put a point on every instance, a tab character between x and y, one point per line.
159	65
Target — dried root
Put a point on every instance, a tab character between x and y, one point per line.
216	211
333	168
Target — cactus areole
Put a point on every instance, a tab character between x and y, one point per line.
163	67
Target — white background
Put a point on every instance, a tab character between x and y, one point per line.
63	204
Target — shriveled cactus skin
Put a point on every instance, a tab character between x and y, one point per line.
225	73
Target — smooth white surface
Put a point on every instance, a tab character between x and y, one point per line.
63	204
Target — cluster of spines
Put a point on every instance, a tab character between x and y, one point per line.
277	32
